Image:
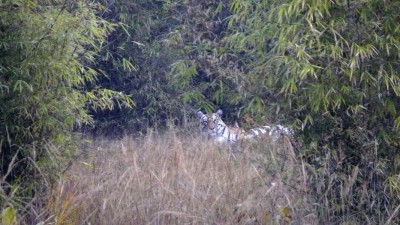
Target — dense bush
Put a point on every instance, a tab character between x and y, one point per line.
330	68
175	65
47	51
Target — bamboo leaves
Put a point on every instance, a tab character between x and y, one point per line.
331	68
47	56
21	85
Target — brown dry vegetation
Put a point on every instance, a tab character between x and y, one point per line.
180	179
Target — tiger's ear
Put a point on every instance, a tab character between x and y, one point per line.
200	114
219	112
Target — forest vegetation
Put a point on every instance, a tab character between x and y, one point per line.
98	102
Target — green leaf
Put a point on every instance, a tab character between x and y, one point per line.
397	123
8	216
20	84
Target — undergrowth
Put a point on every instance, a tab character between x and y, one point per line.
176	178
173	178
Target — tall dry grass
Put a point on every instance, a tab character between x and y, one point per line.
175	178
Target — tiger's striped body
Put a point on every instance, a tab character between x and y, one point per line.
273	132
214	127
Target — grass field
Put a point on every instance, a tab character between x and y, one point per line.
174	178
179	177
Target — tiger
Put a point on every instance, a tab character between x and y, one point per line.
213	126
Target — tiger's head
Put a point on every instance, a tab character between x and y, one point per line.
209	123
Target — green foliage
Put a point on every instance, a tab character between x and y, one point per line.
134	56
331	68
8	216
46	52
173	47
202	57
